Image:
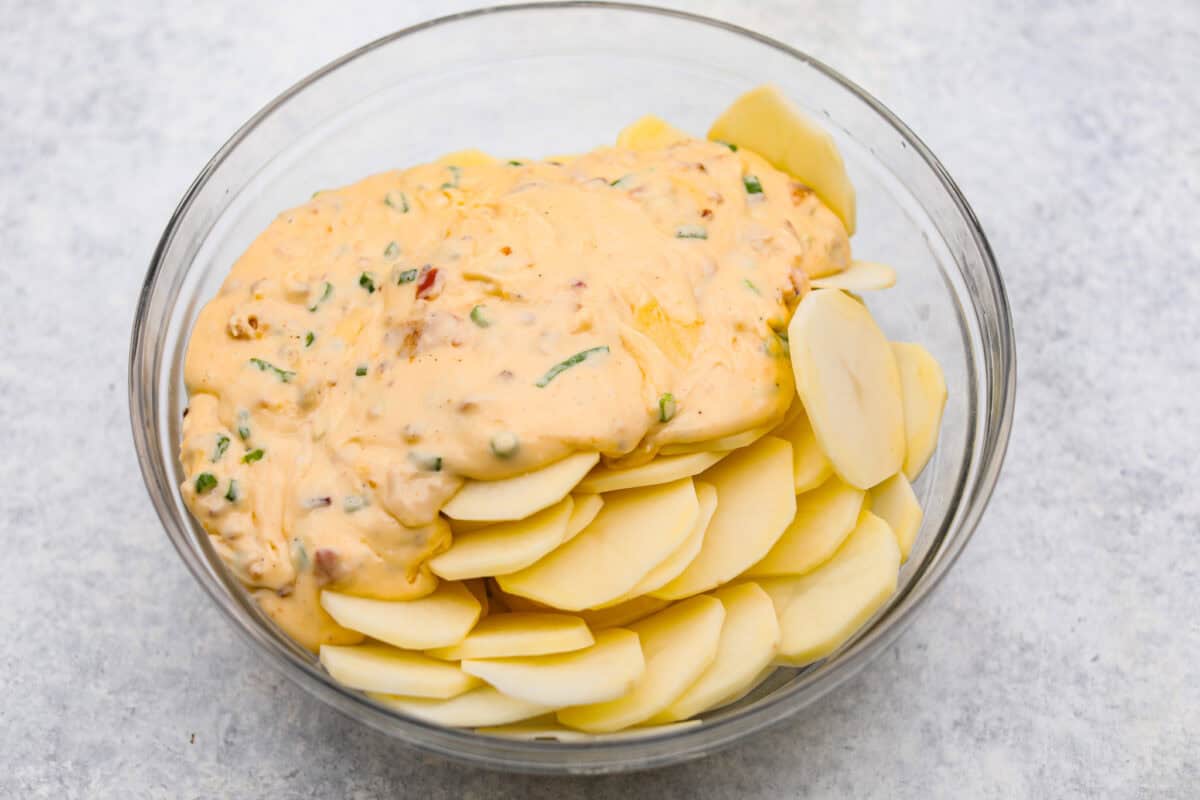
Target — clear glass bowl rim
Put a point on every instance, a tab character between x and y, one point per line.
600	756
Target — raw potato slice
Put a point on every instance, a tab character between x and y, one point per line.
506	546
860	276
534	731
379	668
895	502
755	502
623	614
763	120
824	518
660	470
722	445
686	553
650	133
436	620
527	633
810	467
604	671
478	590
517	498
749	640
636	530
819	611
587	506
847	377
758	680
924	389
679	644
473	709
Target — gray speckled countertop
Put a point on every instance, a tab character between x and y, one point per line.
1061	658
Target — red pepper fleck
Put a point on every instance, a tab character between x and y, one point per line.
706	213
578	284
428	279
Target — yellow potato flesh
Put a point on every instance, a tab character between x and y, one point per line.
819	611
924	388
810	467
440	619
587	506
895	502
521	496
521	633
650	133
477	708
748	642
847	378
755	503
678	644
860	276
636	530
721	445
506	546
660	470
824	518
764	121
378	668
604	671
623	614
549	731
686	553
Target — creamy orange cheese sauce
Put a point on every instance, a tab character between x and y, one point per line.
381	343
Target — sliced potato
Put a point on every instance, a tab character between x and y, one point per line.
678	644
660	470
810	467
819	611
476	708
622	614
478	589
924	389
895	502
604	671
521	633
440	619
650	133
763	120
824	518
847	377
587	506
517	498
748	642
755	502
686	553
506	546
860	276
758	680
733	441
636	530
379	668
534	731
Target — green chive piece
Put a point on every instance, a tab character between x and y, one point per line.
514	163
243	429
691	232
314	194
426	461
253	455
505	444
406	276
309	338
354	503
361	370
222	446
325	295
367	281
455	174
666	407
749	284
397	200
205	483
480	317
299	554
621	182
232	495
561	366
285	376
392	250
753	184
730	145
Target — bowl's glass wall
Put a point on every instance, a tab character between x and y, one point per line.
550	80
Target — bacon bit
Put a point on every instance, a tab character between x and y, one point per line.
706	214
412	337
800	193
425	287
326	561
700	166
467	406
286	590
578	284
506	250
506	374
318	502
252	321
185	412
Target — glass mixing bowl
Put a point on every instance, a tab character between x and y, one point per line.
536	80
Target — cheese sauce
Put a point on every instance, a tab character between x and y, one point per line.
469	319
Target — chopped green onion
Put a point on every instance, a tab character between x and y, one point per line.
505	444
752	184
392	250
309	338
243	429
205	483
514	163
578	358
222	446
232	494
480	317
621	182
325	295
253	455
299	554
406	276
367	281
749	284
730	145
314	194
361	370
455	173
666	407
354	503
426	461
397	200
691	232
285	376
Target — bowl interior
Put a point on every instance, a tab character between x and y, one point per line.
545	80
